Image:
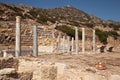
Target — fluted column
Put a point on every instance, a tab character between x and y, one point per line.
63	44
35	41
83	40
93	44
72	49
58	43
76	40
18	37
68	44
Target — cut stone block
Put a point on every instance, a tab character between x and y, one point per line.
7	71
48	72
60	68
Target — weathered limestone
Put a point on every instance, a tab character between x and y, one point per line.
5	53
76	40
58	43
63	44
93	44
83	40
42	70
18	38
68	44
9	63
46	49
35	41
6	71
72	49
25	76
48	72
60	68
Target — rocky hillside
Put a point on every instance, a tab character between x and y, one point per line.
67	17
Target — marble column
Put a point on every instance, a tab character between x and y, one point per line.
5	53
83	40
76	40
63	44
35	41
68	44
72	49
93	44
58	43
18	37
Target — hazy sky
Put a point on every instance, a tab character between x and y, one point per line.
104	9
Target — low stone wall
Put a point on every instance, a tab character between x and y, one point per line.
9	63
9	70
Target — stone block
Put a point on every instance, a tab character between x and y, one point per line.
60	68
9	63
7	71
26	76
48	72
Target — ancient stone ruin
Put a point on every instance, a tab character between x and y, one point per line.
54	56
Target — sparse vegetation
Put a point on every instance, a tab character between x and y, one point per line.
67	16
27	16
114	26
75	23
114	34
13	8
43	19
33	13
103	35
90	25
69	31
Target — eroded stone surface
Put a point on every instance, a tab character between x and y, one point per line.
6	71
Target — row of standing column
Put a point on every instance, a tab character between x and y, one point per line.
18	39
76	43
35	46
83	41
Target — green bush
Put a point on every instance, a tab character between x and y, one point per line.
103	35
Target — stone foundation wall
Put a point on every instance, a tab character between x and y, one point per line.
9	63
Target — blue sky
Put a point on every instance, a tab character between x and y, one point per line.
104	9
